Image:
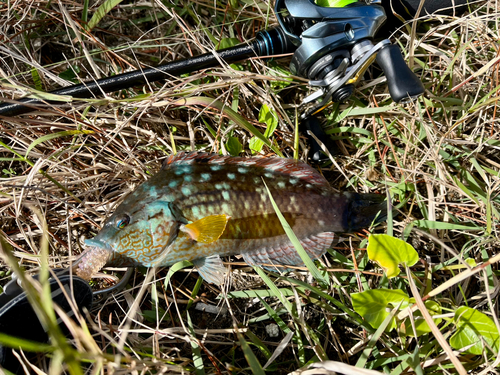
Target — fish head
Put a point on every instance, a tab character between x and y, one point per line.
138	231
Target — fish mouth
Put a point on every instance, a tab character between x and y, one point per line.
98	243
94	257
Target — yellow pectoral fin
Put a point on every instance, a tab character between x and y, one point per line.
208	229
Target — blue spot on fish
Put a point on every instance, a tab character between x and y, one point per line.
225	195
196	210
222	186
181	169
231	176
243	169
188	178
206	176
216	167
172	184
186	190
152	192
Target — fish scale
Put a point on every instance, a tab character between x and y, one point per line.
201	206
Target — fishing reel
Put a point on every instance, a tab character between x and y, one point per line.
334	47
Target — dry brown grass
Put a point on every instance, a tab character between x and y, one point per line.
440	156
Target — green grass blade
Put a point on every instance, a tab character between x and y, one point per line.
274	289
320	278
176	267
48	137
101	12
252	360
429	224
262	293
26	345
197	358
196	289
259	344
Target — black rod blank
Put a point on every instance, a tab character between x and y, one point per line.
134	78
266	43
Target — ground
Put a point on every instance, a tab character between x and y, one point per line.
65	167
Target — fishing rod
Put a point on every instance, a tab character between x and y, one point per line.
332	47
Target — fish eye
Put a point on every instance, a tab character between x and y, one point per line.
122	221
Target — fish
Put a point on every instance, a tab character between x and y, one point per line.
202	206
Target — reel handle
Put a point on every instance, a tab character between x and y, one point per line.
403	84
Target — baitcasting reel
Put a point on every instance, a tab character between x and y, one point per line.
335	47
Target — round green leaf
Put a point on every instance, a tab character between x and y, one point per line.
474	327
390	252
375	305
233	146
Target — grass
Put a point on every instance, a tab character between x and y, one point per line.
63	170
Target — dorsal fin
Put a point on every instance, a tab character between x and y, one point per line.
290	167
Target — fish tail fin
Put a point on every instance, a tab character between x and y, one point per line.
365	209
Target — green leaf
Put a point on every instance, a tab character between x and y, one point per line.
375	305
26	345
283	76
253	362
472	328
255	145
421	325
232	115
389	252
227	43
234	146
270	118
258	344
70	74
376	336
471	262
262	293
197	358
176	267
101	12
